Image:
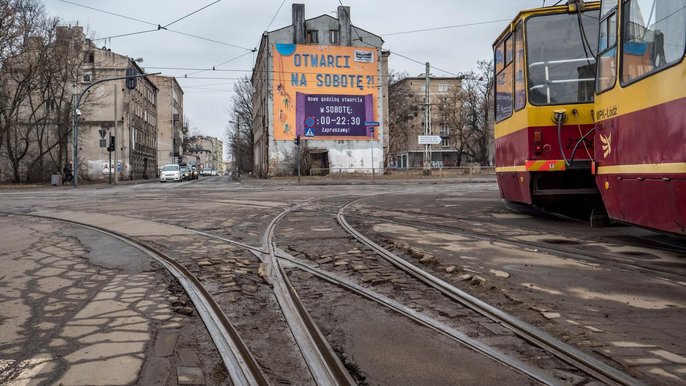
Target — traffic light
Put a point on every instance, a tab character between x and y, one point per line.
111	145
297	140
131	80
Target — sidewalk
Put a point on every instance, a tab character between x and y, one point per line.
80	308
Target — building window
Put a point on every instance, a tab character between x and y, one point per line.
334	36
445	131
87	78
443	87
312	36
445	142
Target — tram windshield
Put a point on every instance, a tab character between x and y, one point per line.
561	58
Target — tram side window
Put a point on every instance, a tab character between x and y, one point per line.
520	85
607	47
654	36
503	84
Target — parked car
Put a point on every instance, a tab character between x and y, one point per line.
186	173
171	172
207	172
214	172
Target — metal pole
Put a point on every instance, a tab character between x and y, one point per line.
238	147
298	146
427	120
116	135
110	166
75	129
371	147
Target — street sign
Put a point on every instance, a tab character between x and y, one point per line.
372	123
102	132
429	139
103	142
309	132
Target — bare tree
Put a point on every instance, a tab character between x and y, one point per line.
36	69
468	110
403	107
238	132
478	108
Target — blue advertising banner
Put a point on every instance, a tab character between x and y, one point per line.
329	115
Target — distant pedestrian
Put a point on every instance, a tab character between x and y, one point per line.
68	173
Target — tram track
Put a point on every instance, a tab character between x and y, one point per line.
325	367
330	370
237	357
564	351
538	247
419	318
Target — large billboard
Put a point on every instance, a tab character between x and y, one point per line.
325	92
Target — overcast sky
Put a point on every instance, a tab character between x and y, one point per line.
226	31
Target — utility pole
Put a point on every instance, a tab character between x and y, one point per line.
116	135
427	121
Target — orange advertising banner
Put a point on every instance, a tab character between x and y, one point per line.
325	92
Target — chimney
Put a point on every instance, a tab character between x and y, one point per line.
344	25
299	23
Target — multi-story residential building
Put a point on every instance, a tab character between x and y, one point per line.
443	106
169	119
203	152
128	115
320	81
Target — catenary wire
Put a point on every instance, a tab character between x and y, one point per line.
159	27
108	12
446	27
192	13
276	14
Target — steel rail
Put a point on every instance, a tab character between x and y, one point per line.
421	319
541	248
564	351
239	361
325	366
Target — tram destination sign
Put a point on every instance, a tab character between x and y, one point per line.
429	139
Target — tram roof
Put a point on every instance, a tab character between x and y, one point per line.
527	13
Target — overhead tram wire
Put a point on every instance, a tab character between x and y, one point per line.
108	12
221	64
192	13
159	26
275	15
393	52
446	27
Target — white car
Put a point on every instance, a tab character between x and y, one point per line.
171	173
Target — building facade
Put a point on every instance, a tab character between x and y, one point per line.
204	152
321	81
111	109
169	119
443	105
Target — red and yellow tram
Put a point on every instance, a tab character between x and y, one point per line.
545	76
640	112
